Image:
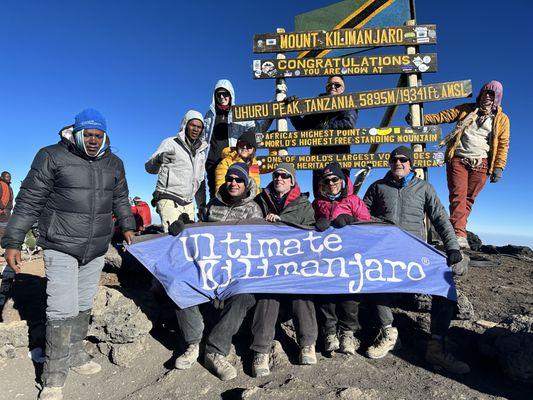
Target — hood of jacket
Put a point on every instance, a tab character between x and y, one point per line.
497	88
223	84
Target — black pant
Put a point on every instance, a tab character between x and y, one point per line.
338	313
266	316
442	311
191	323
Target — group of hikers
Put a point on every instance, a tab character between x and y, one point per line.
76	188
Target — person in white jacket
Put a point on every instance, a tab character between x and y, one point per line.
179	162
222	131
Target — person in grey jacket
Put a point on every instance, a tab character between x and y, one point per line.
233	202
73	190
222	131
179	162
282	201
403	199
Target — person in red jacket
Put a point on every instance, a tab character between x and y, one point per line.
336	205
142	213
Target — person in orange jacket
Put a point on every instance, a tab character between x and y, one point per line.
244	152
475	150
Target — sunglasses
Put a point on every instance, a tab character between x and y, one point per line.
245	146
327	181
282	175
334	85
88	135
230	179
403	160
222	94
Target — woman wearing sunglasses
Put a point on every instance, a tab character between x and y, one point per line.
243	152
337	205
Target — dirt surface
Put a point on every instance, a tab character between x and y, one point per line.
497	291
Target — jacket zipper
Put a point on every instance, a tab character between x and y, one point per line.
91	223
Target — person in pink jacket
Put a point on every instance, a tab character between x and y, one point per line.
336	205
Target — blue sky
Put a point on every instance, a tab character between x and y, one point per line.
143	64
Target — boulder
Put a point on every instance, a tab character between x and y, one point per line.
474	241
465	309
511	250
511	344
116	318
13	335
123	354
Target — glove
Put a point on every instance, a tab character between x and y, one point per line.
342	220
322	224
408	118
290	99
176	227
453	257
185	218
166	158
496	175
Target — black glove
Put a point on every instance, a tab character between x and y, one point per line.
322	224
185	218
453	257
176	227
496	175
342	220
290	99
166	158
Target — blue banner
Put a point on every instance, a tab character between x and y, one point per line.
218	261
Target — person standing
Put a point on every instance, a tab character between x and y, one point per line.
6	200
402	198
222	131
73	190
476	149
179	163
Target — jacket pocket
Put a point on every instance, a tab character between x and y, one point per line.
51	228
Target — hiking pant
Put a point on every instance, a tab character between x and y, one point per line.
464	184
234	311
338	313
170	211
266	316
70	287
442	311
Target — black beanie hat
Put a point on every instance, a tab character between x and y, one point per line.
248	137
333	169
403	151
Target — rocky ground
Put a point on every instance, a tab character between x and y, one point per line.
134	337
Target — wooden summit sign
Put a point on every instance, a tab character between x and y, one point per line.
362	65
357	160
354	136
366	99
345	38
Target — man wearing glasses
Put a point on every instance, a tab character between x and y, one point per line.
73	190
233	202
332	120
402	198
282	201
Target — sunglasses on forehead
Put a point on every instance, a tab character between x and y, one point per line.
230	179
403	160
282	175
333	179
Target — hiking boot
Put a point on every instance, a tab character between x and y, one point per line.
349	344
385	342
79	360
187	359
51	393
260	365
331	343
442	360
463	242
308	355
220	366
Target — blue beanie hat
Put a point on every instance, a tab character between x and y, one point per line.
89	119
240	170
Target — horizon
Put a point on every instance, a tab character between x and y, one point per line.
142	65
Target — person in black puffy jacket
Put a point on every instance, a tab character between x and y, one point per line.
72	190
